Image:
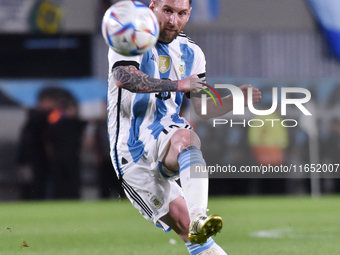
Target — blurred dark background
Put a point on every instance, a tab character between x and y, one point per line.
57	45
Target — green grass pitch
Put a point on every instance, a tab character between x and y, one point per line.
252	226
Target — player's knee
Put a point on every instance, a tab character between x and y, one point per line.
184	138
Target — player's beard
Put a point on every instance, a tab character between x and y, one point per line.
166	36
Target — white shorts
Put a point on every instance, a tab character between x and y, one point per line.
146	185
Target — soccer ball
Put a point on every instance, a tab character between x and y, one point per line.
130	28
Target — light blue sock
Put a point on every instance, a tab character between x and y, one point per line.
197	248
191	156
195	189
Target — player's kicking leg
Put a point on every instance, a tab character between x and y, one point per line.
184	153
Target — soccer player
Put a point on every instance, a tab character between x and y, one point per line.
151	146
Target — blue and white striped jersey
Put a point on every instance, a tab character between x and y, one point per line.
136	118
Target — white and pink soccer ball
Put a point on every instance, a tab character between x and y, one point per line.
130	28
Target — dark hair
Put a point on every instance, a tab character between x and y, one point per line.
190	2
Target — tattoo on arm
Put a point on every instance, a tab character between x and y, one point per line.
130	78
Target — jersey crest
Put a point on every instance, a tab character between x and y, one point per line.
164	64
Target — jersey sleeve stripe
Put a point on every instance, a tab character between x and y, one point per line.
201	75
126	63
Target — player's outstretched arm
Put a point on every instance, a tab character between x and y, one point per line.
227	103
134	80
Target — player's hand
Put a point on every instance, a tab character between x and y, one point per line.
256	93
189	84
